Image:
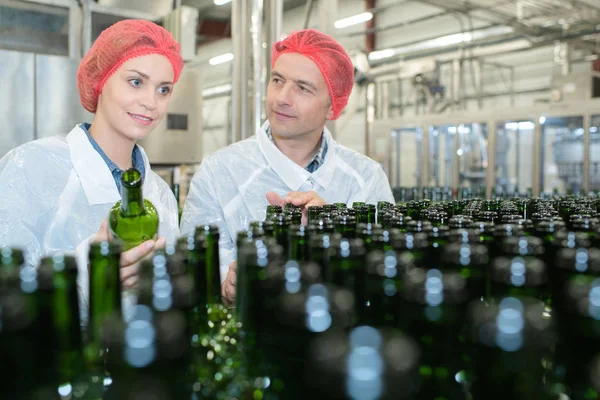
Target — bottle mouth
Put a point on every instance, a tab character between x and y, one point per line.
131	178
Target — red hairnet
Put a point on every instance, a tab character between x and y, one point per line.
331	58
120	42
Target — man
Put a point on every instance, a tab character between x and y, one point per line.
293	158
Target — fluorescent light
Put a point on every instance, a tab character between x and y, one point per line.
216	90
223	58
523	125
221	2
353	20
440	42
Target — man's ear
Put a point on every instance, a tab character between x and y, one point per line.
330	112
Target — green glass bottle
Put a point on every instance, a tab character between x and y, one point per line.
363	364
178	200
298	241
18	338
209	234
345	225
520	276
11	260
273	210
313	213
471	261
511	341
66	331
346	262
104	304
384	280
133	219
577	312
432	311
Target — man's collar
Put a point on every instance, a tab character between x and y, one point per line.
293	175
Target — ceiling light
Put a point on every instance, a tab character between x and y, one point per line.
221	2
216	90
223	58
353	20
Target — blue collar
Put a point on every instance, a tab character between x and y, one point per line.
136	158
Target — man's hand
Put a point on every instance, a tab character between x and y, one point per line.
228	286
130	259
300	199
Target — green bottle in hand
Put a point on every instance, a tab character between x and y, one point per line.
133	219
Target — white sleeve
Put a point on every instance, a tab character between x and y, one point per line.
22	209
202	207
379	188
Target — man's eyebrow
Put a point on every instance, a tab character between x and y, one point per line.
306	83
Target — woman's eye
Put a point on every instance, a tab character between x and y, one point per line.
164	90
135	82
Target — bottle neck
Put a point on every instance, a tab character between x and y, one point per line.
132	200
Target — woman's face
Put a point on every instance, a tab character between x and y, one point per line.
136	97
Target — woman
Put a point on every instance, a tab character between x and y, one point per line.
55	193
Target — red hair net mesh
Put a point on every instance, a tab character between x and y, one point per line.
331	58
117	44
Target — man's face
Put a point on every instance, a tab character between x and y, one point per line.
298	102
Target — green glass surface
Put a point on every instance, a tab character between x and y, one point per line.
133	219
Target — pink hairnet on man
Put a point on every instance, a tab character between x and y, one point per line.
293	157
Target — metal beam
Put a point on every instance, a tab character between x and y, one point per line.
122	12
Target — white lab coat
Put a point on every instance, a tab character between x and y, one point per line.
229	188
54	194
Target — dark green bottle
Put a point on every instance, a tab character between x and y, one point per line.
365	364
414	243
432	310
104	305
105	285
471	261
314	212
345	225
340	206
178	200
18	338
577	312
385	274
298	242
209	234
520	276
346	264
133	219
273	210
11	260
511	342
280	230
64	307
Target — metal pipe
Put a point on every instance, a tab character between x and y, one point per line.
478	70
75	29
86	25
369	115
370	40
456	160
240	113
425	159
307	12
537	160
258	83
490	176
586	153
